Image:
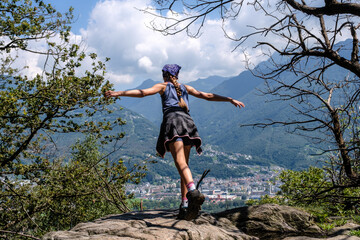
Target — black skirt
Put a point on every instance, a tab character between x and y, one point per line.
177	124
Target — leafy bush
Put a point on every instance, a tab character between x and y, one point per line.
355	233
356	218
313	191
313	187
58	195
327	227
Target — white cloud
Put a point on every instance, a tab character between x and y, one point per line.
26	63
118	30
120	78
146	63
30	61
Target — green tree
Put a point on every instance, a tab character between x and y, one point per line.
37	191
66	191
302	187
31	108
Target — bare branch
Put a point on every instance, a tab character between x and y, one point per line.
200	11
332	7
355	51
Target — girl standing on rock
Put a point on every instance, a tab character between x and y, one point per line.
178	132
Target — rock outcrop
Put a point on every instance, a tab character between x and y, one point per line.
149	225
267	221
272	221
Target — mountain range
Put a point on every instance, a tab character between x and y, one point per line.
229	147
219	122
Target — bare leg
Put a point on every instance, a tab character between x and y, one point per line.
181	153
184	190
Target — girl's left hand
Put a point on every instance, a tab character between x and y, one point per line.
237	103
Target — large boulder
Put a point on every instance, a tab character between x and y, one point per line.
272	221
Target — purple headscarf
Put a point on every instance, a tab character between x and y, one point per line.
173	69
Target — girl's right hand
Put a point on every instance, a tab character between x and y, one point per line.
110	93
237	103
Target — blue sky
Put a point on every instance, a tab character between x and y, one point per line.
82	10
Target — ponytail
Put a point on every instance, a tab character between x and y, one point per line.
173	80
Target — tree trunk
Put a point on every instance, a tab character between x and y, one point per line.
344	153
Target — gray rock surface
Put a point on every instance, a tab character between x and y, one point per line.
152	224
272	221
268	221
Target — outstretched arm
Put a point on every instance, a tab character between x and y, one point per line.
157	88
213	97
